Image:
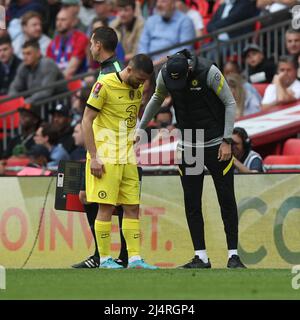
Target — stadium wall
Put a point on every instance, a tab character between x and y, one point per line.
34	235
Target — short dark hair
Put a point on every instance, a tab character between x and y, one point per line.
107	36
31	43
142	62
291	30
5	40
288	59
125	3
50	132
104	21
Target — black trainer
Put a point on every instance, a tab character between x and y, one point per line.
235	262
121	262
197	263
89	263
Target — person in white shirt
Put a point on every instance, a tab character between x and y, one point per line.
285	87
31	23
186	6
275	5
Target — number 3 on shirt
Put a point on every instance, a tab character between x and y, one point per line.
131	120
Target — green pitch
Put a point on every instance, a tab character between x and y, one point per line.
145	284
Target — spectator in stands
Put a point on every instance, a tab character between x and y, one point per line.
86	13
47	136
61	120
120	53
163	122
292	42
165	29
21	143
9	63
73	6
68	48
80	152
128	27
146	8
31	23
232	67
260	70
79	100
245	159
35	72
103	9
230	12
17	9
246	102
275	5
285	87
186	7
39	156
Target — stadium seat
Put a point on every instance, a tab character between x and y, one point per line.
282	160
260	87
75	85
12	122
291	147
15	164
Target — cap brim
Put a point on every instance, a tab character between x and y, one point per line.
248	50
176	84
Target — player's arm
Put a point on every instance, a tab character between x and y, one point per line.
155	102
217	82
95	103
97	167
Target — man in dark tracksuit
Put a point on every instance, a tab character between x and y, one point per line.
202	100
108	63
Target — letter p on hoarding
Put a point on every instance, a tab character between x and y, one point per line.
2	18
2	278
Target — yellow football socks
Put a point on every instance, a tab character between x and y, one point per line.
103	230
132	235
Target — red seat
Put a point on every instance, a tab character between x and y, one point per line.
282	160
75	85
260	87
12	122
15	164
291	147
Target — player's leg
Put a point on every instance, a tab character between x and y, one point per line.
223	176
123	255
129	196
104	191
103	236
192	188
91	210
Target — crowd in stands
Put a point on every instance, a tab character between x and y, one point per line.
48	40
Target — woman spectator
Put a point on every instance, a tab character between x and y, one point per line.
246	102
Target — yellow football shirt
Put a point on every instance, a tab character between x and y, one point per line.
118	105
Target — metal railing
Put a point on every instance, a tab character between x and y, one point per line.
270	37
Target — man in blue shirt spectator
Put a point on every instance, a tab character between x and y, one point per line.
165	29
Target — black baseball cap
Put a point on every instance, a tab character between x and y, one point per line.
251	47
62	109
177	71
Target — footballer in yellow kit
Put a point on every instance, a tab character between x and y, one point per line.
111	170
118	105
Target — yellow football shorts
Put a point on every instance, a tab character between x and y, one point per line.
118	185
